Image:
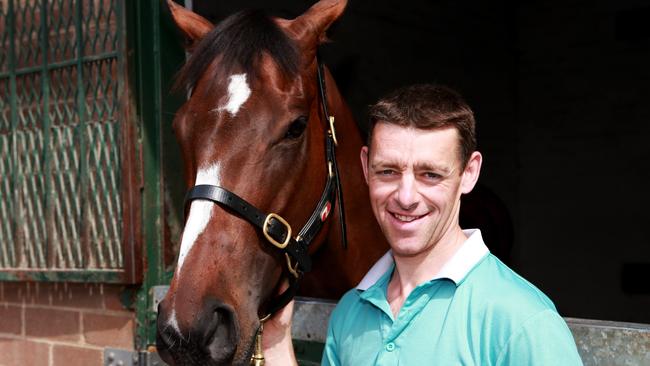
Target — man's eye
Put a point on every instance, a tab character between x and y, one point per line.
430	175
386	172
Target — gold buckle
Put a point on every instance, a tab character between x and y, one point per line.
267	222
333	131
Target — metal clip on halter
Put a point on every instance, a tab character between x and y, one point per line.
258	356
332	131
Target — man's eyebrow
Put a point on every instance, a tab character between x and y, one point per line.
385	164
433	168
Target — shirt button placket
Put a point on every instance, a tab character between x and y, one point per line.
390	346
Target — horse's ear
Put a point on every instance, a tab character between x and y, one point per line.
309	28
192	25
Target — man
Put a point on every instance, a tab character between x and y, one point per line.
438	297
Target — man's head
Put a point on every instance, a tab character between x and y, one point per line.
427	107
420	158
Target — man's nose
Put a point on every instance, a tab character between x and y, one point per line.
407	192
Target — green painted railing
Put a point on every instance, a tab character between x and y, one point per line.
62	151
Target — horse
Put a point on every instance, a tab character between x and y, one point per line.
268	144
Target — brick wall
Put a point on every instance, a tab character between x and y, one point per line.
54	324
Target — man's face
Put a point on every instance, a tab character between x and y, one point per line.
415	178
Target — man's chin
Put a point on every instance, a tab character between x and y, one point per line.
408	248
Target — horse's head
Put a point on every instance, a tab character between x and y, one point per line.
252	125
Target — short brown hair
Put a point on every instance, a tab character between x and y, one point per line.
427	107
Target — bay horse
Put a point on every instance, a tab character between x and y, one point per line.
261	156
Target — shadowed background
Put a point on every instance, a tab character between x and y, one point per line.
560	91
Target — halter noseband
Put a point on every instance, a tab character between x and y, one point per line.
276	230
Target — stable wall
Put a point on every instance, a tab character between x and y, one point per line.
561	93
584	125
62	324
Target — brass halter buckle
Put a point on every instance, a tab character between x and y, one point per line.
265	227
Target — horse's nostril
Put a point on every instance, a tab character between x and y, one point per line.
211	338
221	334
166	339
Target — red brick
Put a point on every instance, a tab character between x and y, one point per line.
113	295
14	292
62	325
76	356
26	293
109	330
78	295
15	352
11	319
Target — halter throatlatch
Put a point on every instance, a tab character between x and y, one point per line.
277	230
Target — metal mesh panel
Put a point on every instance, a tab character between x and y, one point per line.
4	38
60	181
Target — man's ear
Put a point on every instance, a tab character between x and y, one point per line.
193	26
471	172
364	162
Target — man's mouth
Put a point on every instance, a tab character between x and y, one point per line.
405	218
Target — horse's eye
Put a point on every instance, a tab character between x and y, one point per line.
296	128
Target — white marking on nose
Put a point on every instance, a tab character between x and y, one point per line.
200	213
238	93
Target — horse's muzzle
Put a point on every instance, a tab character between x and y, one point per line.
210	340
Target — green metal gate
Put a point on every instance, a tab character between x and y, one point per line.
89	189
66	151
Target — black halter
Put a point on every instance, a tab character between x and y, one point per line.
275	229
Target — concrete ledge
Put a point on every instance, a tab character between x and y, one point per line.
310	318
602	342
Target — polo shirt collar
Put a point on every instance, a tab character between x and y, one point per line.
456	269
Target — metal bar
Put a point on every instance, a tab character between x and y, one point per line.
62	64
149	94
14	124
47	151
80	131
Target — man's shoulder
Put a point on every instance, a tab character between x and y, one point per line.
511	310
496	288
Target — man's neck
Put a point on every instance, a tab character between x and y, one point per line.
411	271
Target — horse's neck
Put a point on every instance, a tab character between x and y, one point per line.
337	269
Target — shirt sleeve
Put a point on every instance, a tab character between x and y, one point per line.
544	339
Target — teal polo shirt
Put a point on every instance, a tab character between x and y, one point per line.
477	311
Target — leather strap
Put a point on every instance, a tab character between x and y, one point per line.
330	153
275	229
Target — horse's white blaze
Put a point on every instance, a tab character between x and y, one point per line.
200	213
238	93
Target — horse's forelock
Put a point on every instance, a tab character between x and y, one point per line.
240	40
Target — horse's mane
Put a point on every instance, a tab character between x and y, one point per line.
240	40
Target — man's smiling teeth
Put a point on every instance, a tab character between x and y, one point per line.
406	218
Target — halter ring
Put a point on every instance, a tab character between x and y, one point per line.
265	227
